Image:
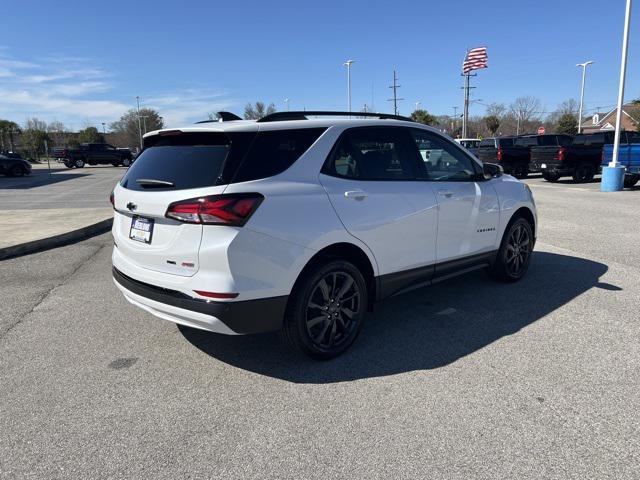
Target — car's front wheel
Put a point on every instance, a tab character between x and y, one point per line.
550	177
326	309
126	162
17	171
514	255
79	163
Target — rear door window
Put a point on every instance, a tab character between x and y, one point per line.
373	153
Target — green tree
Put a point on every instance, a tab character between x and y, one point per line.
567	124
259	110
493	123
422	116
125	132
7	130
90	135
34	135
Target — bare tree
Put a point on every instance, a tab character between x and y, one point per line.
496	110
565	109
259	110
526	111
58	134
126	132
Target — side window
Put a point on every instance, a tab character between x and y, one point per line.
272	152
373	154
442	160
488	142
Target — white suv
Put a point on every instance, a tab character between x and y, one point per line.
301	224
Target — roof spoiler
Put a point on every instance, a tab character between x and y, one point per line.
223	117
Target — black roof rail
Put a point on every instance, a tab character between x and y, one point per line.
222	117
303	115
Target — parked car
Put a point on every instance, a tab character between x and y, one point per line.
470	144
95	154
580	158
504	151
14	165
300	225
628	157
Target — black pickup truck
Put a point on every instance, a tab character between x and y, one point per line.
580	159
506	152
95	154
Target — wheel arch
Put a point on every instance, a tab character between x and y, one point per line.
351	253
527	214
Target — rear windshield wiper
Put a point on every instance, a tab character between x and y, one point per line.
152	182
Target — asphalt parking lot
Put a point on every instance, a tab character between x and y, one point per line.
466	379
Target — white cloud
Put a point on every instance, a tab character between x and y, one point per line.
72	90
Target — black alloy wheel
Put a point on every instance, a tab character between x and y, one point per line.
326	310
513	257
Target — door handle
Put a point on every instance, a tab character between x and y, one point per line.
356	194
445	193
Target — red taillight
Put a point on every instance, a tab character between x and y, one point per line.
112	199
232	210
499	155
562	154
216	295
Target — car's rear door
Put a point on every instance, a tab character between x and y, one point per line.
373	183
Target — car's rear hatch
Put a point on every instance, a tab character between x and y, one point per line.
173	167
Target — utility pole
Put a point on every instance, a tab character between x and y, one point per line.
139	125
104	131
395	98
286	102
465	111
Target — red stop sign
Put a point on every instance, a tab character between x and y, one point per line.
540	130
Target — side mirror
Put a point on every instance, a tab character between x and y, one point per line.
492	170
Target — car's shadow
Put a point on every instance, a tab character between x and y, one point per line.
38	178
424	329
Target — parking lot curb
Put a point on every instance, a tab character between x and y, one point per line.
56	240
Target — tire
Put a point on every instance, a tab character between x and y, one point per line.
68	164
115	164
521	171
126	162
326	310
16	171
513	257
550	177
630	180
584	173
78	163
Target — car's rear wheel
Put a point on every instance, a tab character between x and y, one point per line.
521	171
326	310
514	255
17	171
584	173
551	177
126	162
630	180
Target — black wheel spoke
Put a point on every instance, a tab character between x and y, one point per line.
333	309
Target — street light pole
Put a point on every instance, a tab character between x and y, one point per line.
584	75
286	102
348	64
418	104
104	131
613	175
139	125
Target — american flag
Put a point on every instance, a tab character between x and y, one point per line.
475	59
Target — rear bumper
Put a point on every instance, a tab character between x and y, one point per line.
230	318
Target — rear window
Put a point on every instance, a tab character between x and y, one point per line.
187	160
579	140
196	160
527	141
506	142
488	142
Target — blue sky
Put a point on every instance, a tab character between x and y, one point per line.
83	63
